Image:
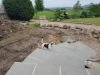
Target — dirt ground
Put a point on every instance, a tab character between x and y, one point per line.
91	42
18	50
30	39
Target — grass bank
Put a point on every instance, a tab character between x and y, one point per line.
95	21
46	14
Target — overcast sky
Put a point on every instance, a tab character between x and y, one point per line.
64	3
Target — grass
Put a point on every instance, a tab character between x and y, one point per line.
72	12
49	14
95	21
44	14
33	25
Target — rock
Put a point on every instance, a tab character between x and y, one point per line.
73	28
66	27
49	25
92	65
56	26
95	34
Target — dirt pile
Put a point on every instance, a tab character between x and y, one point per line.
7	27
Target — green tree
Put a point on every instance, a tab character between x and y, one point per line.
77	6
39	5
95	9
86	14
19	9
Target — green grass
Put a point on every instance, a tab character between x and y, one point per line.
95	21
44	14
49	14
72	12
33	25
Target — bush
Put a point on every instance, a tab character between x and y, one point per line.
66	16
19	9
60	15
97	14
57	14
86	14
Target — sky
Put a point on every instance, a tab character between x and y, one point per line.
64	3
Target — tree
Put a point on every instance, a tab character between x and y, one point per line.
39	5
95	9
86	14
19	9
77	6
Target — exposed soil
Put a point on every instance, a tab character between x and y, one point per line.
17	50
7	27
92	42
20	43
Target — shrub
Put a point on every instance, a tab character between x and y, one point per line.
19	9
66	16
57	14
60	15
86	14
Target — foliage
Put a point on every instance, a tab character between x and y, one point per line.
19	9
39	5
60	14
65	15
77	6
57	14
95	9
86	14
76	12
